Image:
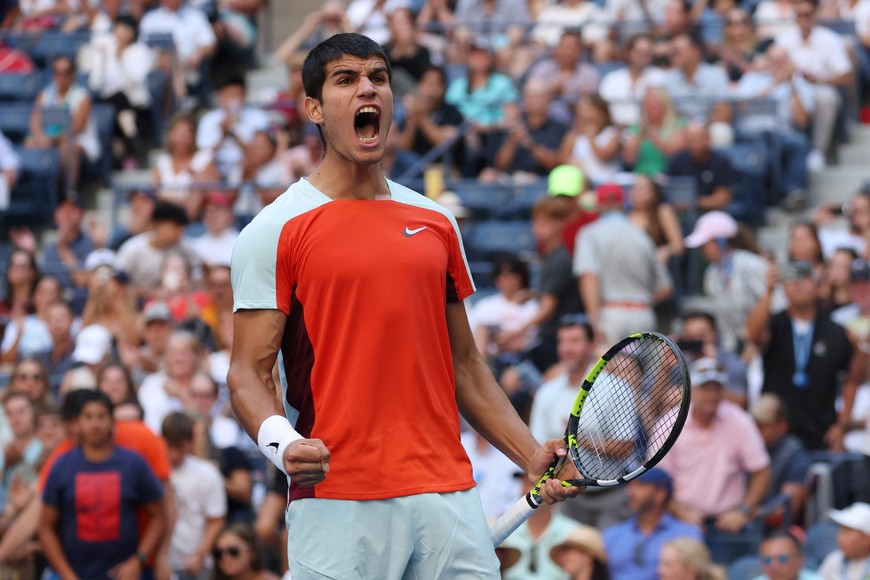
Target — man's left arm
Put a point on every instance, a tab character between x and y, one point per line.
485	406
756	488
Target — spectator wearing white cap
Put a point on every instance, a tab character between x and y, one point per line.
157	326
852	560
719	464
736	277
109	303
93	348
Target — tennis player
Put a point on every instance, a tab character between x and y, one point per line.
354	284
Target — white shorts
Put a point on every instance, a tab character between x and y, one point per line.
418	537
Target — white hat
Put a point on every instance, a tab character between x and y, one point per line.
585	538
100	257
711	226
93	343
855	517
453	204
706	370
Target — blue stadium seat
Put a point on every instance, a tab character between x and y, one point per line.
745	568
35	195
52	44
495	237
20	86
15	120
484	200
524	197
162	41
821	541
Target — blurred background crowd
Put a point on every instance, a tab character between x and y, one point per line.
614	166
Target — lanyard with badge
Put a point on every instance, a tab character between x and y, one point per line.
803	343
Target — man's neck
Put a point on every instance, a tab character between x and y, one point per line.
802	312
98	453
648	520
691	69
342	179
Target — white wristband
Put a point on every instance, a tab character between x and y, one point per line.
275	434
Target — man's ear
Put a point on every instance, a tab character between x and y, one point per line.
314	110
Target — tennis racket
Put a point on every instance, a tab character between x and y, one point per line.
627	415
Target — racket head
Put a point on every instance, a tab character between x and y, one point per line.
629	411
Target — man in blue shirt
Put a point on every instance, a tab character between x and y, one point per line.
633	547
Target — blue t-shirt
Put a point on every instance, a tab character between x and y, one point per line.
97	502
631	555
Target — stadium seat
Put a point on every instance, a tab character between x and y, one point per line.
524	197
15	121
20	86
749	198
52	44
745	568
483	200
491	238
821	541
34	197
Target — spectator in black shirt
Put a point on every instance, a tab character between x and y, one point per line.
712	170
429	120
532	142
408	58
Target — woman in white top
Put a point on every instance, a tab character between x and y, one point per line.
168	390
65	93
593	142
182	165
119	66
773	17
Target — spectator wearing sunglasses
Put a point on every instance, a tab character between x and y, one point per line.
237	555
781	556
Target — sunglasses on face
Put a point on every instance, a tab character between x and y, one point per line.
736	21
232	551
781	558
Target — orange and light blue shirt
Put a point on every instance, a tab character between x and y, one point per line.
365	364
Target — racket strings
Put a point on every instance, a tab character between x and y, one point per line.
630	411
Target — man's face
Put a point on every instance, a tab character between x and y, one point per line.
706	399
156	335
854	543
95	424
219	285
167	234
59	321
431	87
68	216
19	411
697	140
232	98
800	293
699	329
780	559
643	496
217	218
805	16
568	51
356	110
573	347
641	54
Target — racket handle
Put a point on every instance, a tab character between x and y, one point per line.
509	521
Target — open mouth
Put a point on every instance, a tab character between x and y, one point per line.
367	125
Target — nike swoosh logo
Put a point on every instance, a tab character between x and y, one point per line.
409	233
273	444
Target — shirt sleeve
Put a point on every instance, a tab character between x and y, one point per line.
585	261
214	496
255	269
52	493
148	487
752	453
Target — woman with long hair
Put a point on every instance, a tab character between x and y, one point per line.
480	96
111	304
740	44
687	559
656	217
237	555
20	331
21	277
658	136
115	380
30	335
165	391
29	376
182	166
593	142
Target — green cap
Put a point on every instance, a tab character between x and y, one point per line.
566	180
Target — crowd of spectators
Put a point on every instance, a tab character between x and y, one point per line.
601	108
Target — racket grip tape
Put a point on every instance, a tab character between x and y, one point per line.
505	525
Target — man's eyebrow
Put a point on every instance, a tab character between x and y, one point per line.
379	70
343	71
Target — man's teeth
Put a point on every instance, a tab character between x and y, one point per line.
371	110
367	140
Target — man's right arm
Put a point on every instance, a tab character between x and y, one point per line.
257	338
51	545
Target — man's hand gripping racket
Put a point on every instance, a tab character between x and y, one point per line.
627	415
